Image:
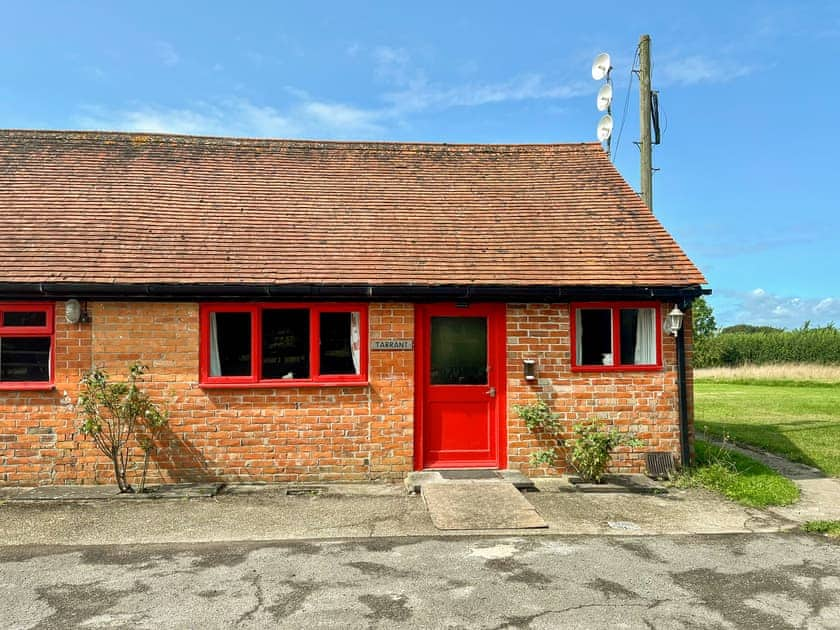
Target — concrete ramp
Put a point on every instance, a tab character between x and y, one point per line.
479	505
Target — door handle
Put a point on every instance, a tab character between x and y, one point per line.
491	392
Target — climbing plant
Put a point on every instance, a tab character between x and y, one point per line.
540	420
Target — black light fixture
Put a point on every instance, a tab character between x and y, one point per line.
529	367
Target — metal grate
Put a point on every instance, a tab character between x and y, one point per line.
660	465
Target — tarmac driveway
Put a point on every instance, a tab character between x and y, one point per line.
736	581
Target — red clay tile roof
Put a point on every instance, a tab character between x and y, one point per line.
131	208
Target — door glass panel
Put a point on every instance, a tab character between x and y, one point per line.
459	351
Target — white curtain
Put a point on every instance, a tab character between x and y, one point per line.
215	363
645	337
355	341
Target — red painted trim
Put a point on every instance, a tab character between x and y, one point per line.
419	388
27	386
615	308
285	384
47	330
497	355
253	380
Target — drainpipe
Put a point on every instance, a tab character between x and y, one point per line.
685	446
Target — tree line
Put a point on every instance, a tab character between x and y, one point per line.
759	345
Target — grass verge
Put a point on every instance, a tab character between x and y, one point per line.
829	528
799	421
737	477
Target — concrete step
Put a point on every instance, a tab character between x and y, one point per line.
415	481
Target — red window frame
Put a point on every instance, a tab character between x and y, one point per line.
254	379
615	308
47	330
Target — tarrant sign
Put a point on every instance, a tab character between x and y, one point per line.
392	344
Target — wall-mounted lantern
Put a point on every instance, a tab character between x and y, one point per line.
673	322
529	367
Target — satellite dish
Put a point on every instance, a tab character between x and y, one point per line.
605	126
604	97
601	66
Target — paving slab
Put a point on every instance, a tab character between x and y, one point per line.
368	510
69	493
467	505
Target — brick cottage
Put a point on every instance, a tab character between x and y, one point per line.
332	310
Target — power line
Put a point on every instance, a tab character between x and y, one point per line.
626	102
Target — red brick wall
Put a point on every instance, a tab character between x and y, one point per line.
643	403
273	434
305	433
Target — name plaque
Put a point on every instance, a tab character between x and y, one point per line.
392	344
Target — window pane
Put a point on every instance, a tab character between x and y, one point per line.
230	344
285	343
24	318
339	343
25	359
459	351
594	336
638	336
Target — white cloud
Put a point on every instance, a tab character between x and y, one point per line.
392	65
389	56
150	119
309	117
699	69
760	307
419	95
238	117
336	116
166	53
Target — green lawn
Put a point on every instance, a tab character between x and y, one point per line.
738	477
799	421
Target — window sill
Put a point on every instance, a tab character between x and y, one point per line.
26	387
281	385
617	368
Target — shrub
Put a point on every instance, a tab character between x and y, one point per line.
112	412
592	449
803	345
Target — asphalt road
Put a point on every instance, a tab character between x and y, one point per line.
735	581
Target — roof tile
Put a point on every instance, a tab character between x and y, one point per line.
131	208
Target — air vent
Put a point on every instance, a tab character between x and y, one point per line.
660	465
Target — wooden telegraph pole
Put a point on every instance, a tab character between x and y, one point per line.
644	114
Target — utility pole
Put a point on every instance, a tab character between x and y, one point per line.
644	120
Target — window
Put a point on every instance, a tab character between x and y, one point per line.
616	336
26	346
283	344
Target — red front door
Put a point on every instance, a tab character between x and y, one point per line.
460	386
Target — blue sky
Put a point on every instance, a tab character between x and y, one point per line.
748	90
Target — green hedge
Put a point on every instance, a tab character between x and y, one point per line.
804	345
